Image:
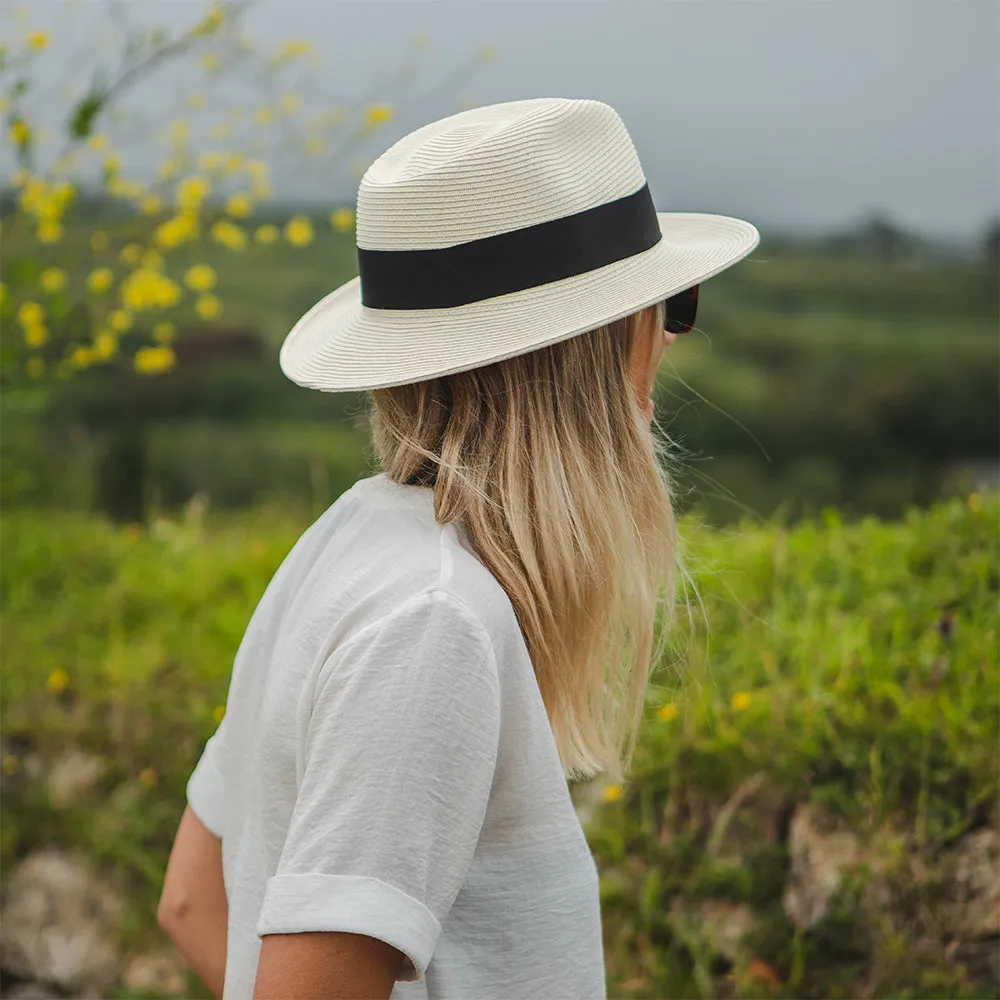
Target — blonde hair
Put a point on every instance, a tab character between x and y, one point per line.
546	465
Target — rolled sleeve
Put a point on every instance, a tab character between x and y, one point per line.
206	792
398	762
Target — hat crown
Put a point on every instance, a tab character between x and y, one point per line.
495	169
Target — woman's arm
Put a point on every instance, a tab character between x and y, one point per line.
193	910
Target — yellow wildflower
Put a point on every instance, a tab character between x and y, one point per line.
150	204
35	367
612	793
377	114
82	357
30	313
119	320
196	100
210	61
37	40
342	219
229	234
168	169
667	713
105	345
147	777
97	142
130	253
173	232
299	231
264	116
152	260
192	191
58	681
99	240
11	764
145	288
211	21
239	205
154	360
53	279
292	49
315	145
36	335
200	278
163	332
219	713
290	102
266	234
112	164
208	306
741	701
99	280
19	133
179	130
49	231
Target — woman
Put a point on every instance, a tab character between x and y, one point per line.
384	808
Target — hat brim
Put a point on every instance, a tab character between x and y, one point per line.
340	345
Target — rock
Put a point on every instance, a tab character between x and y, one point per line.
74	775
973	872
723	924
820	858
60	924
161	971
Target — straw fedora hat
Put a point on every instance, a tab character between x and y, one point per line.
494	232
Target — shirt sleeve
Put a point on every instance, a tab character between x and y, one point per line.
205	788
399	758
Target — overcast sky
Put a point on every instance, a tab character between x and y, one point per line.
799	115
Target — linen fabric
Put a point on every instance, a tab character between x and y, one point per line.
385	766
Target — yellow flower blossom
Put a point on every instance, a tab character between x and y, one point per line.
37	40
20	133
192	191
263	116
239	205
299	231
119	187
53	279
148	777
150	204
145	288
612	793
377	114
211	22
130	253
36	335
97	142
208	306
49	231
35	367
210	62
173	232
31	313
154	360
168	170
200	278
229	234
667	713
99	280
119	320
163	332
290	102
105	345
112	164
82	357
58	681
196	100
11	762
741	701
315	145
292	49
266	234
179	131
342	219
99	240
219	713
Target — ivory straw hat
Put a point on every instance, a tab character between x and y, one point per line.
496	231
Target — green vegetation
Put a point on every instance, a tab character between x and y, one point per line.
853	666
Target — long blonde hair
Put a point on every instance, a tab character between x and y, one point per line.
547	466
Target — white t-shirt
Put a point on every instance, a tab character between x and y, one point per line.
386	767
